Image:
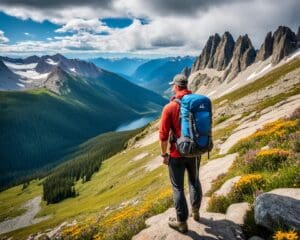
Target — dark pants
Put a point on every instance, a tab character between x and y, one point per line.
177	168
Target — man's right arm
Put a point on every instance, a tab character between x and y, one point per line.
164	130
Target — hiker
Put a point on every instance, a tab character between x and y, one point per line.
170	129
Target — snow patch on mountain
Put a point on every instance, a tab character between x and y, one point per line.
51	61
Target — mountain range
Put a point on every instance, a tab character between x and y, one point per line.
50	104
224	64
153	74
123	66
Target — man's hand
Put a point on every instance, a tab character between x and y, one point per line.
166	158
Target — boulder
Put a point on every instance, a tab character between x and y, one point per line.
237	212
280	207
256	238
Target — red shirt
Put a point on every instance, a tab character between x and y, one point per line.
170	122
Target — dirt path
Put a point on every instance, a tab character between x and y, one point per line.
27	219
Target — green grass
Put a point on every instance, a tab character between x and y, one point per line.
118	180
260	83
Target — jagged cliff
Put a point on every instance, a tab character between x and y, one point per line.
222	59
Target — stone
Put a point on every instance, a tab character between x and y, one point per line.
227	186
256	238
285	42
266	48
279	207
237	212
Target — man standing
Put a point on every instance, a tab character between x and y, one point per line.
170	129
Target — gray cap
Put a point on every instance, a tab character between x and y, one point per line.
179	80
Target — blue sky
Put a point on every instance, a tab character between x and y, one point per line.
113	28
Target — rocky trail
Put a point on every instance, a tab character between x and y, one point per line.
211	225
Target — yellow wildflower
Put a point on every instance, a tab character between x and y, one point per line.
290	235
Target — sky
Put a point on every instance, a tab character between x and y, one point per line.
135	28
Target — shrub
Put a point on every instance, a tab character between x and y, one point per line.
269	159
290	235
274	131
218	204
246	186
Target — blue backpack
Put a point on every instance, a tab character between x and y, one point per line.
196	125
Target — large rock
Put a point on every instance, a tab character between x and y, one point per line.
224	52
285	42
237	212
243	56
266	48
280	207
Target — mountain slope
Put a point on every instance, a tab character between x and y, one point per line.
39	127
156	74
133	185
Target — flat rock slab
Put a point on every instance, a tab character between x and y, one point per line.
237	212
213	169
285	108
278	207
227	186
211	226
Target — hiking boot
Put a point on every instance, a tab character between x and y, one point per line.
178	226
195	214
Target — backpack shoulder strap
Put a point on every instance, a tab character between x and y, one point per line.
177	100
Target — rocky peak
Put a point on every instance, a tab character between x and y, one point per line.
224	52
285	42
55	79
206	57
243	56
186	71
266	48
298	37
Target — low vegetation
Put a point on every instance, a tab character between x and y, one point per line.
83	164
268	159
260	83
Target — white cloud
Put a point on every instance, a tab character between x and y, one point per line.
76	25
172	33
3	39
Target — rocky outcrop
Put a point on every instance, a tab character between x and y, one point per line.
224	52
285	42
206	57
266	48
186	71
243	56
280	207
298	37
